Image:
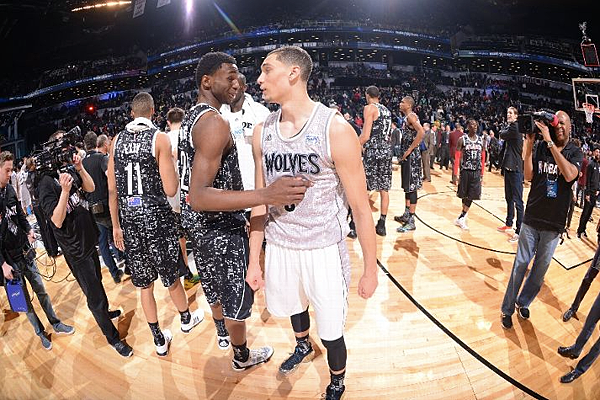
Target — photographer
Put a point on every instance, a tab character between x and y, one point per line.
96	164
77	234
552	165
17	257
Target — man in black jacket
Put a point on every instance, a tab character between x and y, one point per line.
17	257
96	163
512	166
592	189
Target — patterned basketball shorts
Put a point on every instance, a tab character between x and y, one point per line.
378	169
152	249
412	173
222	262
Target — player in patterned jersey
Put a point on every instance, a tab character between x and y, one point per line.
306	259
412	174
212	204
377	154
139	167
469	185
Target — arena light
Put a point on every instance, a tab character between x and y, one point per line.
101	5
189	5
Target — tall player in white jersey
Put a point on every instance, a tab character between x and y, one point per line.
306	256
243	114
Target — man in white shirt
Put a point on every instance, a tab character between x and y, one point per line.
243	114
174	118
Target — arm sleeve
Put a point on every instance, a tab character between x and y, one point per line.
104	164
47	197
510	133
22	220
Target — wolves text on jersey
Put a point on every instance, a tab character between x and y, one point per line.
292	162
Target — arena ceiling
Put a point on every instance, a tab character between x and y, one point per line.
32	31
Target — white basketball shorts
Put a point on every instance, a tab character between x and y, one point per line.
320	277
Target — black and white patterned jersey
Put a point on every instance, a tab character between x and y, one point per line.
471	157
139	186
381	130
228	177
319	220
408	136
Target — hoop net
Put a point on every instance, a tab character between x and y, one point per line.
589	110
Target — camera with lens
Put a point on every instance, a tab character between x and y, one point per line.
527	123
57	154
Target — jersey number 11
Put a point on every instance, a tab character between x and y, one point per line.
130	168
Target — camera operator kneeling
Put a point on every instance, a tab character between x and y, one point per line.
77	235
17	257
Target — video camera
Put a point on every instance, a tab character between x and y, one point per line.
57	154
528	126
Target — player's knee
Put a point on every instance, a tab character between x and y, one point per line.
412	197
301	322
336	353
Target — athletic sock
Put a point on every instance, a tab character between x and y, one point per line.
220	325
159	339
303	343
337	381
186	317
241	352
382	217
463	214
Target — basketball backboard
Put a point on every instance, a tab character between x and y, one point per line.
586	90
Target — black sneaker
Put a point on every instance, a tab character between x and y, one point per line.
114	314
334	393
403	219
506	321
568	352
568	315
570	377
380	228
409	226
299	355
118	276
523	312
123	349
352	234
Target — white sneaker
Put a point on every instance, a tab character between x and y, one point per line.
223	342
164	349
257	356
514	238
462	223
197	317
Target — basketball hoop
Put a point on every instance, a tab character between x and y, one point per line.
589	110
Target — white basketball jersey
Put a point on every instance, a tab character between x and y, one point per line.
319	220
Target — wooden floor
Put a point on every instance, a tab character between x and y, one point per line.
395	350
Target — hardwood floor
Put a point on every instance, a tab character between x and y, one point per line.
395	350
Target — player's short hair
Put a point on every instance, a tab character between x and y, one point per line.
6	156
90	141
410	100
175	115
102	140
472	119
210	63
373	92
142	104
295	56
